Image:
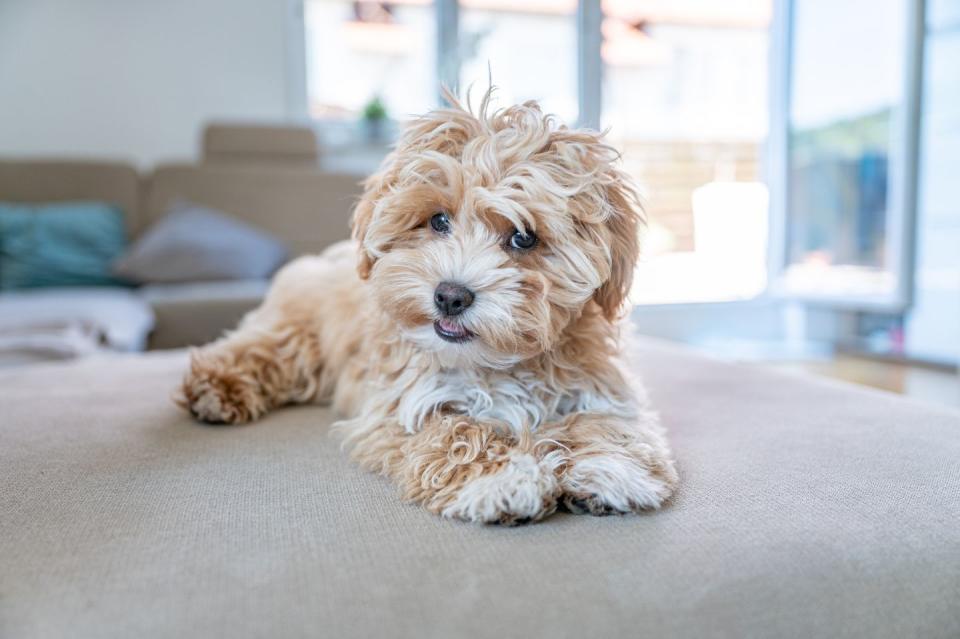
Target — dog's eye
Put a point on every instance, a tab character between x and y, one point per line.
440	223
523	241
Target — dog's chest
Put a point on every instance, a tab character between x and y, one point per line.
519	400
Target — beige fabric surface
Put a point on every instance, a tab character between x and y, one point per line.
195	313
806	509
23	180
259	143
306	208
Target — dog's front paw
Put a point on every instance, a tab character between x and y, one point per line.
606	484
216	395
588	504
522	491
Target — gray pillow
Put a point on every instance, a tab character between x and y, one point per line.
192	243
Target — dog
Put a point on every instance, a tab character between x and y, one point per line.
469	332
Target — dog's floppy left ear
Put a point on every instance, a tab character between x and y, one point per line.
362	216
374	188
623	228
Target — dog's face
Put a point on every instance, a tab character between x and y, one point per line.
483	237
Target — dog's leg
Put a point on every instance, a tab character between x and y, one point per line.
240	377
462	469
290	350
613	464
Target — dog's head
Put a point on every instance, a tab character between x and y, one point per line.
483	236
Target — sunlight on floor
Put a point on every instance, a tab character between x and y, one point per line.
925	384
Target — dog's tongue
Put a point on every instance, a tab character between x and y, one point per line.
452	327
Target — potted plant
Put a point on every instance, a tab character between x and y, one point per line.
374	119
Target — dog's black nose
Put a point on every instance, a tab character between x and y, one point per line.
452	299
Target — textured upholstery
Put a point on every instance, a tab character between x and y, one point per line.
806	509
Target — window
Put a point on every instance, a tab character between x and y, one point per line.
362	51
847	96
685	98
530	47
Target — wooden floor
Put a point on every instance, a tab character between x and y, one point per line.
925	384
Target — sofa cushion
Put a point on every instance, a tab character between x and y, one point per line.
229	143
59	244
805	509
195	243
194	313
43	181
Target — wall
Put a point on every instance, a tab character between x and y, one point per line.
933	325
135	79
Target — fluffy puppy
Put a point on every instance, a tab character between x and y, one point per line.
469	332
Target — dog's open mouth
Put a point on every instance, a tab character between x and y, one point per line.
451	331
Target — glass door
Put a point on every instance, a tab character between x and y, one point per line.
850	145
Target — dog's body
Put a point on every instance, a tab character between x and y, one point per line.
473	347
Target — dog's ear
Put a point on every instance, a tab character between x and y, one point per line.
365	214
442	131
359	225
623	227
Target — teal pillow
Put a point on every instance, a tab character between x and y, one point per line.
59	244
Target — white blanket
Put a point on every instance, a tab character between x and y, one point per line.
63	323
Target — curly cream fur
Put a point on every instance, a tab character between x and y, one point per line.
535	411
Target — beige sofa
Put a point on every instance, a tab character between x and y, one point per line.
806	509
271	188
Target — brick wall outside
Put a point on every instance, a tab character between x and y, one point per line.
669	172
